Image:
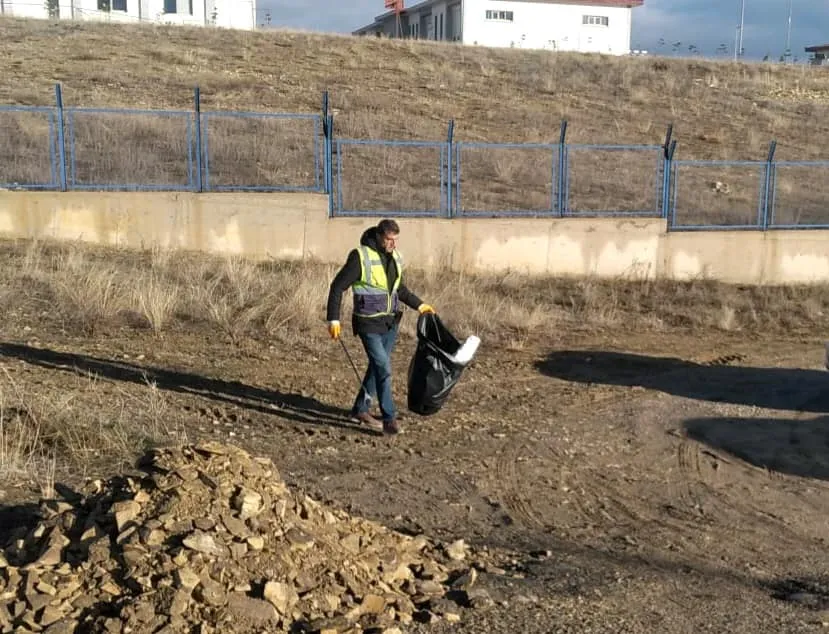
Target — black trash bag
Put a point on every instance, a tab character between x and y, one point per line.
433	370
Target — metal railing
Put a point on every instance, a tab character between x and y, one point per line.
497	180
368	177
118	149
507	185
34	153
108	149
749	195
799	202
703	202
627	187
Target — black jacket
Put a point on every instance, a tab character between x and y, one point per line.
351	272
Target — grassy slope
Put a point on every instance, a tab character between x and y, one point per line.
404	89
409	90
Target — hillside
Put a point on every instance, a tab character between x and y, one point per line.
410	90
405	89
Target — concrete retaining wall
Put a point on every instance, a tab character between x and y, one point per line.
297	226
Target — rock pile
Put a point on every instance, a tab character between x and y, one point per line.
208	539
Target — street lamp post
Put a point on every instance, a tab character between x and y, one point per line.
788	54
742	25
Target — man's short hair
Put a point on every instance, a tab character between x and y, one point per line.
387	226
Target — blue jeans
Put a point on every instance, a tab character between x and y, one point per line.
377	381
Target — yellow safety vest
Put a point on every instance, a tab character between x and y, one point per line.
372	296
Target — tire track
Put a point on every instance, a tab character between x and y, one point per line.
695	490
738	514
510	486
688	462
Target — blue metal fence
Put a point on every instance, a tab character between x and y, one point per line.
702	201
630	181
108	149
34	129
108	146
59	148
382	170
749	195
513	179
799	195
279	141
483	179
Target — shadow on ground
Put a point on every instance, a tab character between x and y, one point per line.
794	447
773	388
16	518
293	407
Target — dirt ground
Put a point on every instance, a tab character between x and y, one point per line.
645	482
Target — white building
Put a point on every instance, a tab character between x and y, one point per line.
599	26
820	54
235	14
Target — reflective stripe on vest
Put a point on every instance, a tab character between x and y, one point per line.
371	294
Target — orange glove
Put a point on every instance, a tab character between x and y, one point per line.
334	329
425	308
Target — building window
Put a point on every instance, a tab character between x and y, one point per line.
119	5
501	16
103	5
170	6
595	20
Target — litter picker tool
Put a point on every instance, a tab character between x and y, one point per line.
351	361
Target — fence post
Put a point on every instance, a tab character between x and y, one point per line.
61	138
329	159
325	140
450	136
667	155
667	182
197	111
562	159
666	148
769	186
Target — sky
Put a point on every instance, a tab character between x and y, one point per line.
708	25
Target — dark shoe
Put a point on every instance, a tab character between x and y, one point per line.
369	421
391	427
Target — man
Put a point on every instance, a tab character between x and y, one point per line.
374	271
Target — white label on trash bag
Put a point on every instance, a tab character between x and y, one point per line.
467	350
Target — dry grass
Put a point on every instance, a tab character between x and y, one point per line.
43	432
157	299
242	300
23	452
409	90
90	293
